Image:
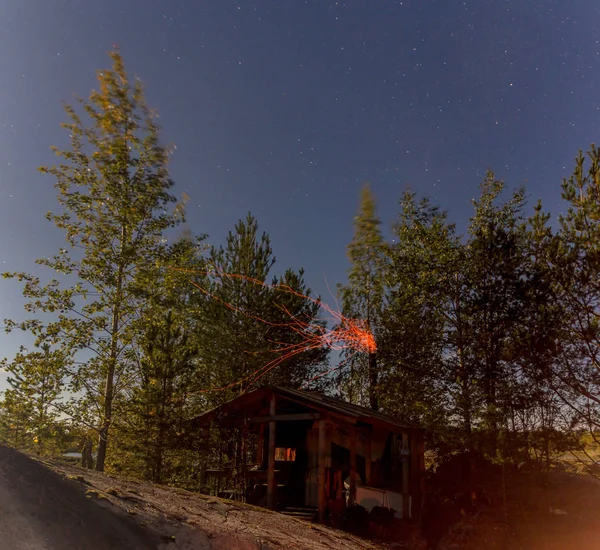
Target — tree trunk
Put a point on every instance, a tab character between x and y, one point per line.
112	365
463	375
373	378
108	396
162	428
40	424
86	454
491	415
465	396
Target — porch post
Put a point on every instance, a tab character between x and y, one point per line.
204	465
368	455
406	489
321	478
417	466
352	498
260	446
271	488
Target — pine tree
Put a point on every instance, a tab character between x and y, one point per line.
245	331
33	400
466	317
530	403
363	295
114	193
422	328
234	335
295	305
578	276
497	292
247	316
167	370
15	420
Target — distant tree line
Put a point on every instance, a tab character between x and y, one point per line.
489	339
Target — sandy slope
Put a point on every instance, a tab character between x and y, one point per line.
58	506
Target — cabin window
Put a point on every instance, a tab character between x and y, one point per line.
285	454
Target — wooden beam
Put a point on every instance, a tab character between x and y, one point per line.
321	479
417	467
368	455
352	496
271	487
260	446
406	489
284	418
324	410
384	425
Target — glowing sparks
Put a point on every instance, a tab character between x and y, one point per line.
346	334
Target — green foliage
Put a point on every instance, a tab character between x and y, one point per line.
31	406
114	192
292	302
578	265
167	366
497	281
416	332
15	421
363	298
247	317
489	339
471	323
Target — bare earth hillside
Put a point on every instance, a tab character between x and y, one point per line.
51	506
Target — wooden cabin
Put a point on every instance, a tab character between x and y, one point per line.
318	452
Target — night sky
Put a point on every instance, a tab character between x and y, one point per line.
285	107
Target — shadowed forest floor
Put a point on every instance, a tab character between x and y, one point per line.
524	511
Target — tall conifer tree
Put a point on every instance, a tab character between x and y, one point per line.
115	206
363	295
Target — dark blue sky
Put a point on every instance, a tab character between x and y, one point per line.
285	107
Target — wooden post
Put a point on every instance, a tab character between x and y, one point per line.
368	455
204	457
352	497
417	466
243	465
271	487
406	490
321	478
260	446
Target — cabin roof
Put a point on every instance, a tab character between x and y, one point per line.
241	405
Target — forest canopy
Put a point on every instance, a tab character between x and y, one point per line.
489	338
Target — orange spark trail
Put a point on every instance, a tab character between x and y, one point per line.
329	371
347	334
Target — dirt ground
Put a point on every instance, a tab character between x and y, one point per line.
52	506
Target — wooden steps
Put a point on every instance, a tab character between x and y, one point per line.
307	514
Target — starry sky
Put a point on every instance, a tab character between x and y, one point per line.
285	107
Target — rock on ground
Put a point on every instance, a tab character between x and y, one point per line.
40	510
